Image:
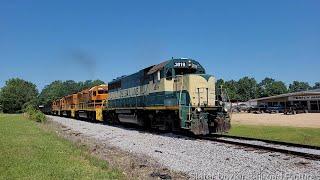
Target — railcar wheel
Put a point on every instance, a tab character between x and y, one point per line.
76	115
92	116
146	121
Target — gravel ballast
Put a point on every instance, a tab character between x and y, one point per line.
200	159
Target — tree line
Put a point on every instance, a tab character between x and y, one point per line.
248	88
17	93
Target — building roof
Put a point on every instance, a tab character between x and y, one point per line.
308	92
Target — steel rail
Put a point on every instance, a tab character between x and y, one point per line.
269	141
219	138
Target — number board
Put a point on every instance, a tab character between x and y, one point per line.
185	65
179	64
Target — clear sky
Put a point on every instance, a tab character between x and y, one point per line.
46	40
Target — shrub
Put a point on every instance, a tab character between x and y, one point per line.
34	114
15	93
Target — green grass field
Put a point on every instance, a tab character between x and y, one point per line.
29	152
308	136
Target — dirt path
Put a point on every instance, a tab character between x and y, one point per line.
311	120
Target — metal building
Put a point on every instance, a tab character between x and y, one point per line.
309	99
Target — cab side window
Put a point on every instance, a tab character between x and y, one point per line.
169	74
156	77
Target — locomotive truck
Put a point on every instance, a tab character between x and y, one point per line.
174	95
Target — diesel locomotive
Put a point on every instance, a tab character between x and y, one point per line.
88	103
174	95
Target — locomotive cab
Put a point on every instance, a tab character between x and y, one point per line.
196	97
99	95
56	107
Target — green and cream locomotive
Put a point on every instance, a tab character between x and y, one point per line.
174	95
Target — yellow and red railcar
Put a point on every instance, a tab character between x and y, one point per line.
56	107
88	103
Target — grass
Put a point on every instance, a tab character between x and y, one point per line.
308	136
29	152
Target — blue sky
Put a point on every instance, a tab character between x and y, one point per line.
43	41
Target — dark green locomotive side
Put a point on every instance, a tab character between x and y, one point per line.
175	94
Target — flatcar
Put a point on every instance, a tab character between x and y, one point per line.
174	95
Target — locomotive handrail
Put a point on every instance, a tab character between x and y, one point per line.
93	104
180	112
189	115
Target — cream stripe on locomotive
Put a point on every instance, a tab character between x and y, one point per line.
140	90
200	89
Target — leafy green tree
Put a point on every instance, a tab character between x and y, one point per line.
58	89
219	83
270	87
51	92
297	86
247	88
70	87
316	85
89	83
16	94
232	89
229	86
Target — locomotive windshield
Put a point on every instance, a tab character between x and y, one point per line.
182	71
102	91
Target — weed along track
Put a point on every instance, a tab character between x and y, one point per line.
195	158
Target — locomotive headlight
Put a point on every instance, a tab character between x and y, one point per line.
198	109
225	109
189	64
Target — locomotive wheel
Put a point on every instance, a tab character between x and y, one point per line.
169	126
114	118
146	121
93	116
76	115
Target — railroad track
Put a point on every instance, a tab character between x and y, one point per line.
306	151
